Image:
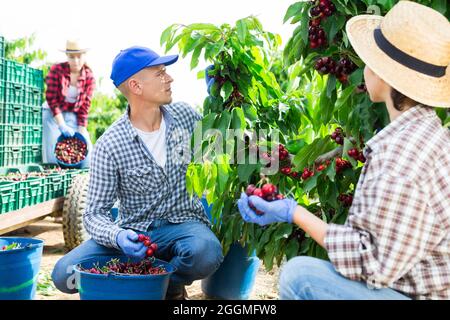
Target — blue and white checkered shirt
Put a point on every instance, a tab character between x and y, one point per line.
122	168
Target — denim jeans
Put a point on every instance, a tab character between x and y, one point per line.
51	133
190	246
306	278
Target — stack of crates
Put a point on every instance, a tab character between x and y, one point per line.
21	95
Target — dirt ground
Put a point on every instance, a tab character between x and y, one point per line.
50	230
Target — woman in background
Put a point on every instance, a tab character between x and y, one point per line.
70	86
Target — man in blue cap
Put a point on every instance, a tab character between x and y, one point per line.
141	160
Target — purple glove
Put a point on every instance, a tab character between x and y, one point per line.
275	211
128	242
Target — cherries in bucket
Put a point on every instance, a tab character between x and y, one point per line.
71	151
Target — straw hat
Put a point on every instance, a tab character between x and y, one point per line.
75	46
409	49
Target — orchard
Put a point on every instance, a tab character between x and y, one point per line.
294	121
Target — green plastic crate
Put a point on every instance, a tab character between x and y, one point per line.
55	184
33	96
8	196
32	154
11	156
2	66
14	93
33	115
34	78
2	47
12	113
12	134
32	134
30	192
15	72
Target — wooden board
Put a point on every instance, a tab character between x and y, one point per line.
13	220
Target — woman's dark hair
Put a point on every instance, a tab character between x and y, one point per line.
400	100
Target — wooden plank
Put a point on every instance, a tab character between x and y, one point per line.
20	218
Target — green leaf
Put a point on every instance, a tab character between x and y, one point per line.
331	86
291	249
331	171
222	174
195	56
294	146
238	119
166	34
440	5
293	10
310	184
208	122
356	77
245	171
224	123
345	94
326	104
269	254
241	30
202	27
250	113
226	90
310	152
283	231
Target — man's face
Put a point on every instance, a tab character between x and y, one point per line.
156	85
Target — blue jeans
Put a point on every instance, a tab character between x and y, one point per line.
51	133
306	278
190	246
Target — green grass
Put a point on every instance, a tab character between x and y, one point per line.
45	286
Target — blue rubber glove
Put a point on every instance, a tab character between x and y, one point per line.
66	131
275	211
209	80
128	242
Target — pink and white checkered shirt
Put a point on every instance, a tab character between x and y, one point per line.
397	233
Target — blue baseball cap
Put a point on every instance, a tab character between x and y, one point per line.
132	60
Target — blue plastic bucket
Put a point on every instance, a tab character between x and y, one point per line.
235	278
19	268
79	136
236	275
116	286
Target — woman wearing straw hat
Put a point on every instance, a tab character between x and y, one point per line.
70	86
395	243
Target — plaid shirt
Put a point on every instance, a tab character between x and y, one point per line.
58	82
123	168
397	233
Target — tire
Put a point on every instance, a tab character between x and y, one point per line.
73	210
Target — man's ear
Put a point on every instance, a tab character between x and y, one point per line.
135	86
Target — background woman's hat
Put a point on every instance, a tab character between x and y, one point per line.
409	49
74	46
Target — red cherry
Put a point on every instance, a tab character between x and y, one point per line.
250	189
258	192
141	238
268	188
147	243
149	252
280	197
154	246
286	170
313	44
